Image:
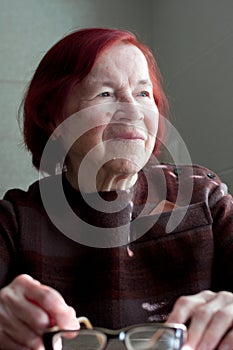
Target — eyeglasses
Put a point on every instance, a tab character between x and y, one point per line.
149	336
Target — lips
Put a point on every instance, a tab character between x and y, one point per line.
127	135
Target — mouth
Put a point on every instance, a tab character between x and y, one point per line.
131	136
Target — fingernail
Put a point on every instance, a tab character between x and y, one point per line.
75	324
186	347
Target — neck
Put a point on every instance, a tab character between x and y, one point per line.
104	181
116	182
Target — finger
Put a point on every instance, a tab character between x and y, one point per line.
22	334
16	306
53	303
7	343
24	280
219	324
210	321
47	299
18	318
185	306
18	330
227	341
35	317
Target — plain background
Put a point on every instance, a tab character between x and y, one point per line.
192	42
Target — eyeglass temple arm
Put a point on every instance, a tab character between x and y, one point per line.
88	325
82	320
156	337
85	321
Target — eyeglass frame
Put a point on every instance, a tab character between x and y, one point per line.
180	330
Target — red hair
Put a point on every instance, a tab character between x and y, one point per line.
67	63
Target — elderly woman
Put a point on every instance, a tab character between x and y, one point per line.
95	109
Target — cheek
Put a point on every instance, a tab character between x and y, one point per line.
92	137
151	123
88	142
94	123
96	134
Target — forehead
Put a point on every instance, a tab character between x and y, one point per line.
121	57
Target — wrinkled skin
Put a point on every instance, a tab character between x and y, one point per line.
27	308
210	315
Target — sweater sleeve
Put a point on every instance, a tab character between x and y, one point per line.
221	206
208	188
8	242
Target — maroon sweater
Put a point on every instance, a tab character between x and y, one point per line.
110	287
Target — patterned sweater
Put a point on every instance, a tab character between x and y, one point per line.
161	255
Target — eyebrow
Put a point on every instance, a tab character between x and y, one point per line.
145	82
110	83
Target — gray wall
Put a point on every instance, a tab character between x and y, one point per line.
192	41
28	28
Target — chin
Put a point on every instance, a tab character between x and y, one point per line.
125	166
128	157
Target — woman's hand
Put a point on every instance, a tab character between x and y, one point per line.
27	308
211	320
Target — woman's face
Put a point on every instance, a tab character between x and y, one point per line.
116	98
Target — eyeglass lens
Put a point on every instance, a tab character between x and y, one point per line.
141	338
88	340
151	339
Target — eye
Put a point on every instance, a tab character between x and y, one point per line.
144	94
105	94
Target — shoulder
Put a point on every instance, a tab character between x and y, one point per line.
191	183
30	197
177	172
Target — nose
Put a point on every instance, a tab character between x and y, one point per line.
129	110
